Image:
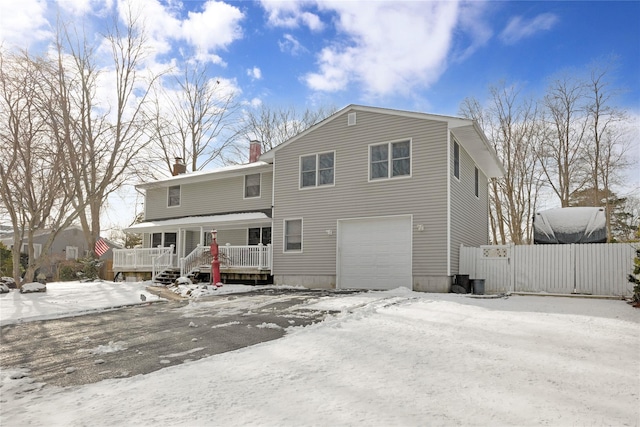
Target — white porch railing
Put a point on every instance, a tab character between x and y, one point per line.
257	257
142	259
201	255
155	260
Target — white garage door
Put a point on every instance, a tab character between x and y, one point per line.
374	253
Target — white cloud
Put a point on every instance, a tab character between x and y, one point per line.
291	44
254	73
216	27
291	14
386	47
519	28
23	23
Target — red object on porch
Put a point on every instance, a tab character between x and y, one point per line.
215	262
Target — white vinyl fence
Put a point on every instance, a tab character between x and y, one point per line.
594	269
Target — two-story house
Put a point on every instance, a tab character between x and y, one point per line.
368	198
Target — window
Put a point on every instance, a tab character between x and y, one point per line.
171	239
71	252
156	240
37	249
390	160
476	181
259	235
293	235
173	196
252	185
456	160
317	170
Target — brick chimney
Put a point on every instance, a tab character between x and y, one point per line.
255	150
179	167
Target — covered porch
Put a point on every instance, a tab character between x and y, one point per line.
182	245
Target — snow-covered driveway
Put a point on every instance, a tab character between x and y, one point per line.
388	358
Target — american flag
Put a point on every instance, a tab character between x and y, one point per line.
101	247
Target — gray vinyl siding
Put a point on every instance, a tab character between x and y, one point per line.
207	198
424	194
469	214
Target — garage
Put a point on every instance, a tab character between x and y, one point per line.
374	253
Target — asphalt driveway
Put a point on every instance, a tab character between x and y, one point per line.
145	338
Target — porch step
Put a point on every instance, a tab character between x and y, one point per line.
167	277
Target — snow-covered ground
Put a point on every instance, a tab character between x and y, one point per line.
388	358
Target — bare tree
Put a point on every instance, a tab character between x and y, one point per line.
512	124
562	147
32	187
102	141
194	121
273	126
607	142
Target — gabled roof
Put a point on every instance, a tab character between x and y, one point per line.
466	131
210	175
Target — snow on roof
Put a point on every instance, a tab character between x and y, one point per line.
199	176
570	225
196	221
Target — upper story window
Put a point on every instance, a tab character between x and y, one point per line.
456	160
476	182
252	185
173	198
390	160
317	170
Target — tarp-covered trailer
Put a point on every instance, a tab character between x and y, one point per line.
570	225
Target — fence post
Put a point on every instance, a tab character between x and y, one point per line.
260	250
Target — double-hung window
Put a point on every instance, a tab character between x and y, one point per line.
173	196
259	235
477	182
293	235
252	185
456	160
390	160
317	169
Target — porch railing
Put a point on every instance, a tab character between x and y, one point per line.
200	256
250	257
161	263
142	258
258	256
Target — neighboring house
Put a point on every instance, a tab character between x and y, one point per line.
69	244
368	198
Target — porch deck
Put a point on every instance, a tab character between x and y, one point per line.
234	260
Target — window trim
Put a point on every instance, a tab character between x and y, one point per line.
284	236
244	192
317	170
169	205
73	249
477	182
261	228
390	160
456	159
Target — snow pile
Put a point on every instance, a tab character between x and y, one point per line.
64	299
33	287
386	358
4	289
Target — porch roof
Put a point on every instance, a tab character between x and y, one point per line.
211	221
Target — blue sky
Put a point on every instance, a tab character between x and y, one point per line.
413	55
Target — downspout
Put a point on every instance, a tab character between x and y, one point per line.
273	209
448	201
